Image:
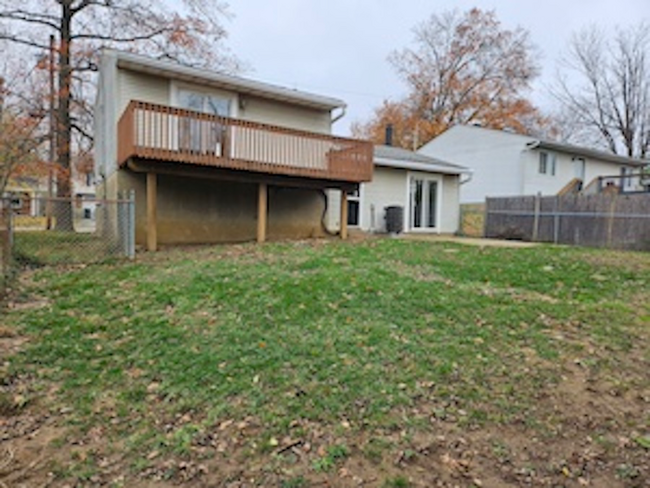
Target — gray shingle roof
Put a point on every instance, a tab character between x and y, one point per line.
587	152
399	156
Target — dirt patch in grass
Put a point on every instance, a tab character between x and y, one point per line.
470	241
578	434
624	260
581	438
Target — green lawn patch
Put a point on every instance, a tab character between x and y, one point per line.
333	343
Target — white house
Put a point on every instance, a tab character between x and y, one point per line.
509	164
426	189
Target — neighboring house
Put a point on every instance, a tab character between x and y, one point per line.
218	158
83	190
26	193
426	188
509	164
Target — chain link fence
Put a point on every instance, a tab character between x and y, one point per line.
5	245
64	231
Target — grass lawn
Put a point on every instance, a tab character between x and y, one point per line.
383	363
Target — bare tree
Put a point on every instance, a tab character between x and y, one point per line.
464	67
604	84
192	33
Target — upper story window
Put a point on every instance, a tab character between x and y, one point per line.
204	102
626	177
547	163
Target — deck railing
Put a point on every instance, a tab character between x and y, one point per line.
158	132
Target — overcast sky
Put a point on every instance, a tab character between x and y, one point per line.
339	47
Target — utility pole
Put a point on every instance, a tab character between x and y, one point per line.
52	137
2	95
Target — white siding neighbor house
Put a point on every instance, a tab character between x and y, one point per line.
426	189
508	164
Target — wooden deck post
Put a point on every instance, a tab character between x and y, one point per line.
262	211
344	214
152	204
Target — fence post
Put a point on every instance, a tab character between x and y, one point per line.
131	224
6	243
486	216
610	219
121	223
556	220
538	203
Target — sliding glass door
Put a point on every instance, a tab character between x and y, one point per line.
424	203
199	135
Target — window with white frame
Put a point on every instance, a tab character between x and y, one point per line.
543	163
547	163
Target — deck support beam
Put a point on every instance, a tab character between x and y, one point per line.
152	211
344	214
262	211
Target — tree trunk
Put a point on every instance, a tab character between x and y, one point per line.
63	207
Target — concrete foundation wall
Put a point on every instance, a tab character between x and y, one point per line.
200	211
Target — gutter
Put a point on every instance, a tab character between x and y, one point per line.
418	166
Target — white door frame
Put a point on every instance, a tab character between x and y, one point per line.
409	201
360	220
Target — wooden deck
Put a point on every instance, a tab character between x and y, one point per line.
160	133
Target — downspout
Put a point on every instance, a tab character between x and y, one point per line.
323	217
469	175
339	116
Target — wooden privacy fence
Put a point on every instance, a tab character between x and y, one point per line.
604	220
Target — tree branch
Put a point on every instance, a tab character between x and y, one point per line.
24	42
30	18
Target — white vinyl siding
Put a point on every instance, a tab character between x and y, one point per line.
493	156
504	164
142	87
565	171
388	188
450	214
285	115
